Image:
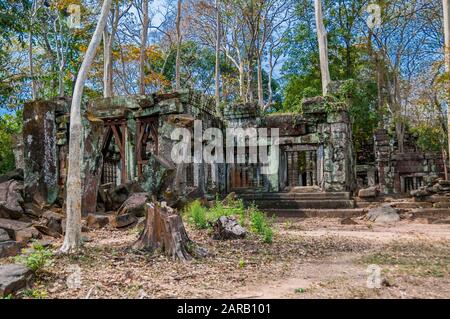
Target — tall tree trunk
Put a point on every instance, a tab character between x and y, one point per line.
260	84
144	40
74	188
30	59
323	47
178	62
108	41
242	81
269	84
217	70
446	6
107	65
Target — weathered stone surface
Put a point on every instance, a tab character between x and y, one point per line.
114	198
228	228
54	221
97	221
9	248
16	175
135	205
13	278
348	221
11	200
441	205
441	222
33	210
92	164
121	221
4	235
13	226
40	152
47	231
369	192
384	214
157	175
419	193
23	236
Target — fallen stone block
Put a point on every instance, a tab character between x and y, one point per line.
383	214
11	200
369	192
13	278
33	210
135	205
420	193
228	228
9	248
54	221
97	221
121	221
47	231
23	236
13	226
4	235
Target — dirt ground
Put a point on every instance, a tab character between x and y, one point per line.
309	258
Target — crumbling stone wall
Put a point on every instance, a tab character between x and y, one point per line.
326	131
394	167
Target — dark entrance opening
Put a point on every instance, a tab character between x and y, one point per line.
302	168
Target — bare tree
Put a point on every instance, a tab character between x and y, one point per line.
323	46
144	41
217	68
72	237
446	7
178	58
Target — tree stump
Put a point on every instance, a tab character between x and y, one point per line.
164	231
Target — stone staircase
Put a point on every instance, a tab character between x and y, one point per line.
299	203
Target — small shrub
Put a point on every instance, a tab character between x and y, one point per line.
36	260
35	294
241	263
196	215
300	290
261	225
267	235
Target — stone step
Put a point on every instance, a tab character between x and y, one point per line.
440	213
308	213
299	196
410	205
304	204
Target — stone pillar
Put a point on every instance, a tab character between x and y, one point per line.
40	152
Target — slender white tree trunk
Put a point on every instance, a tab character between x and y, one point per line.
323	46
241	81
446	6
217	71
30	52
72	239
144	40
107	64
260	84
178	62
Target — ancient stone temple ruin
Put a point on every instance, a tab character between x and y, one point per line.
127	141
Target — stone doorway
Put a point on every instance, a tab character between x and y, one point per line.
301	168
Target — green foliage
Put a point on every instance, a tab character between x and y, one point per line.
196	215
430	137
260	224
35	293
9	125
37	259
202	218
